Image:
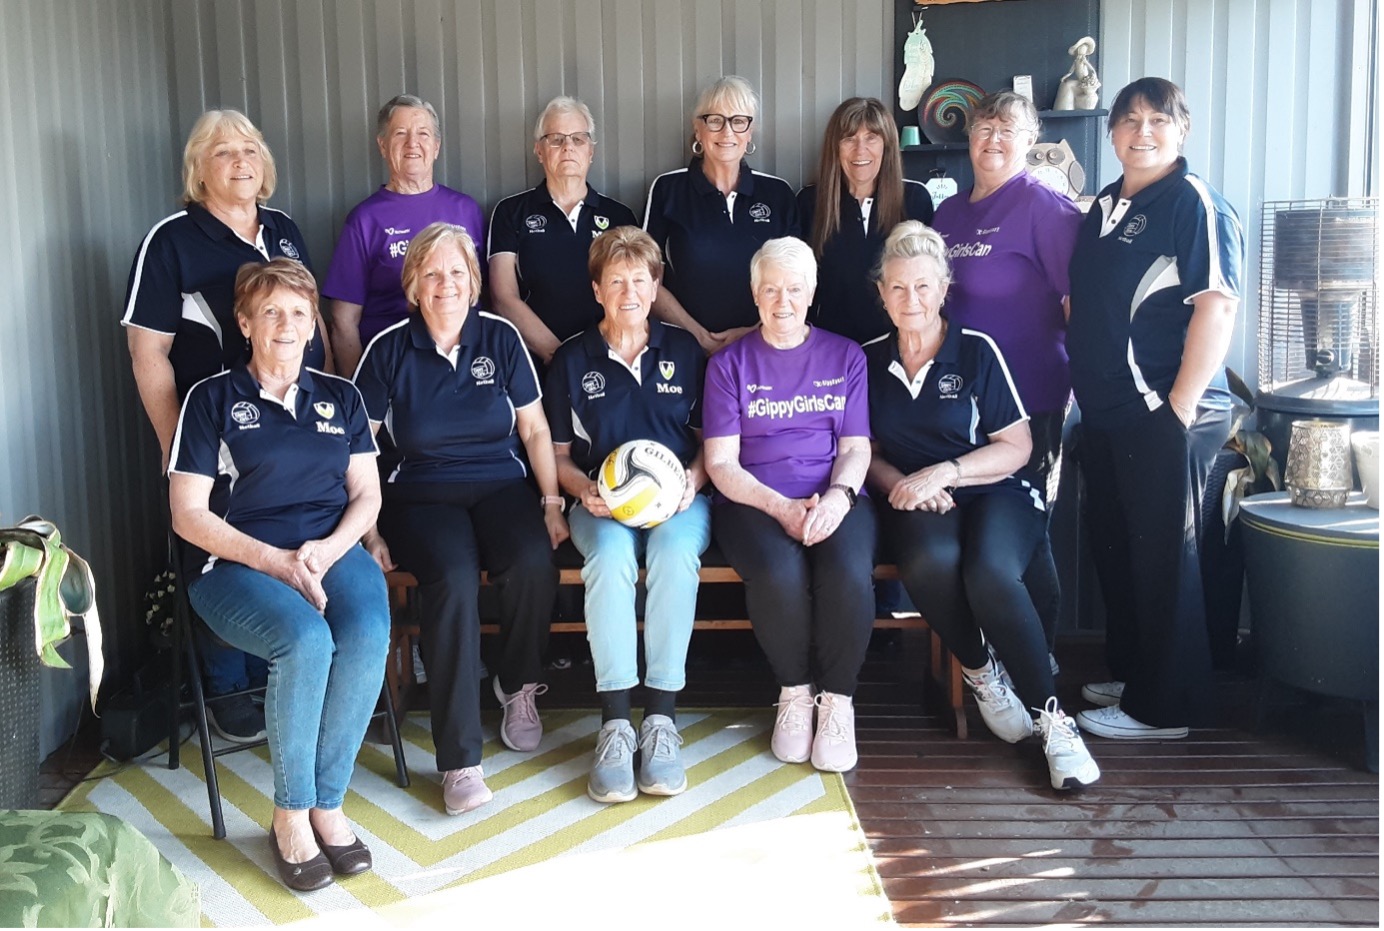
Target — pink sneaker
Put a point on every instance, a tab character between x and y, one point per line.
792	740
833	749
464	790
520	730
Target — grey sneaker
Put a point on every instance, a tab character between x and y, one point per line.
1104	694
612	772
1000	708
660	764
1069	762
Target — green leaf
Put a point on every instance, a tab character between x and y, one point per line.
1238	387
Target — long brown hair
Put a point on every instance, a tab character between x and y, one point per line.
853	115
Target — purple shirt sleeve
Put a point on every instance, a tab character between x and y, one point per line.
855	420
720	398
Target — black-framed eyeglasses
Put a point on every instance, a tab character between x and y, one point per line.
558	140
716	122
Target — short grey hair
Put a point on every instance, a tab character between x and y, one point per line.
1006	105
909	240
561	106
789	253
400	102
731	94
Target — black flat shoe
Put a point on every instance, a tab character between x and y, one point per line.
308	876
348	859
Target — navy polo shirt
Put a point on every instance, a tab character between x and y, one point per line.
452	420
953	405
707	245
279	466
596	402
551	256
847	300
1138	266
182	284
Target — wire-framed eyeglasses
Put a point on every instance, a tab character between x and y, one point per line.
558	140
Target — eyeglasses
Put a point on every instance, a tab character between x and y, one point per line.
716	122
986	133
558	140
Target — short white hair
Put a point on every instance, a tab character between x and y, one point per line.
912	239
559	106
730	95
788	253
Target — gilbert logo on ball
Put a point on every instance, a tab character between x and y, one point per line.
642	482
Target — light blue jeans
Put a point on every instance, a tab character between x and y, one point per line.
325	672
673	554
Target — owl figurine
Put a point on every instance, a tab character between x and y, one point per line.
918	67
1055	164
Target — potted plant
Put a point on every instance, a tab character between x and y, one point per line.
43	585
1260	474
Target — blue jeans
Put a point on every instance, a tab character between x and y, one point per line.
325	672
672	552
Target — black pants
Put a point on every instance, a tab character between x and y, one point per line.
1041	577
444	534
812	607
1144	485
965	571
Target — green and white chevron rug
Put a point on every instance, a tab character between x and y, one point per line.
753	842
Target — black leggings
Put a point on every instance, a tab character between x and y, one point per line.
812	607
444	534
964	570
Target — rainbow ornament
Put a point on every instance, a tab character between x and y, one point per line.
946	109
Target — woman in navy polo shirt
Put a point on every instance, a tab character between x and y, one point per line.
787	444
458	394
1156	281
710	217
273	482
629	379
181	327
860	195
950	434
539	238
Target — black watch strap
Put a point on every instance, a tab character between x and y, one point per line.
850	493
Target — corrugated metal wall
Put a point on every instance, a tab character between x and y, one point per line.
86	164
1277	93
313	74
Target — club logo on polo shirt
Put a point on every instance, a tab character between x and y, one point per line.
949	386
483	370
1134	227
245	414
535	222
666	369
602	223
593	383
325	409
288	249
760	212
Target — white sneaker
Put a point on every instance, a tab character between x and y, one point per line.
1114	723
833	749
1103	694
1000	708
792	739
1069	763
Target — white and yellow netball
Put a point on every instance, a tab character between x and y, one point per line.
642	482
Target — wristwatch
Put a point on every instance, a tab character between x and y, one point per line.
560	501
850	493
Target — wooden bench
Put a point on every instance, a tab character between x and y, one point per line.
944	672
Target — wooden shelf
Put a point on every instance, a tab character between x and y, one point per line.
937	147
1068	114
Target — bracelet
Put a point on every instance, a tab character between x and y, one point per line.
849	492
560	501
957	466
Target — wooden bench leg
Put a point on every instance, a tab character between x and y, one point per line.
946	675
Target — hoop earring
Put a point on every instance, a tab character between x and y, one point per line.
752	148
697	147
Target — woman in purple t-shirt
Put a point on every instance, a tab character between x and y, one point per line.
787	436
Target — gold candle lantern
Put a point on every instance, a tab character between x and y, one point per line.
1318	473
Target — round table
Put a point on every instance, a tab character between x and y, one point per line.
1313	580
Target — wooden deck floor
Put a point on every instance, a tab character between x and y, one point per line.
1228	827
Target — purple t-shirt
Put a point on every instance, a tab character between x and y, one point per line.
788	406
1009	255
368	263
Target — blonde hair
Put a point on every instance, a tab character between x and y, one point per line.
731	93
909	240
211	127
421	248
